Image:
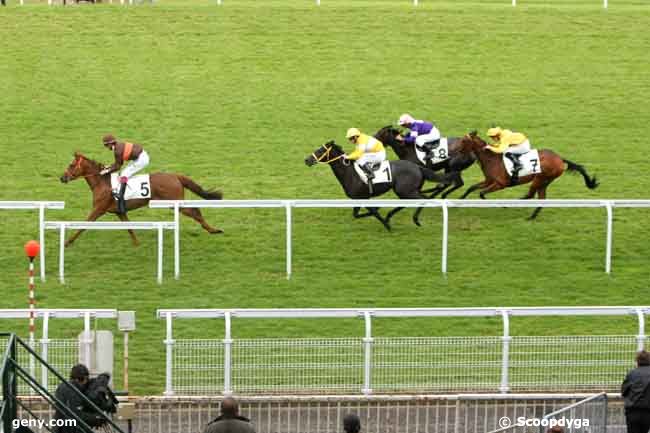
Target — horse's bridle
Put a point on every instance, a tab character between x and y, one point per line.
77	166
319	160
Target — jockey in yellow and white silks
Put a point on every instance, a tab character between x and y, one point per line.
512	144
368	152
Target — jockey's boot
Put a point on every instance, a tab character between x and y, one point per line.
121	203
514	179
368	168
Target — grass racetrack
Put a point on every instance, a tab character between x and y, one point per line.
236	96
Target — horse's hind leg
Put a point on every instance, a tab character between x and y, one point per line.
541	194
134	238
357	214
458	183
196	215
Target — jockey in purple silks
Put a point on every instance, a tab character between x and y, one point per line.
424	135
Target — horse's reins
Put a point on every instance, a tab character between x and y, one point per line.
326	154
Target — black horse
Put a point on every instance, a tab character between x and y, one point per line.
407	180
455	162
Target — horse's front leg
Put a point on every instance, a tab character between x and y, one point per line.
94	215
356	213
123	217
495	186
474	187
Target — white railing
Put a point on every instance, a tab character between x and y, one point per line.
62	226
474	363
41	206
444	205
64	345
434	413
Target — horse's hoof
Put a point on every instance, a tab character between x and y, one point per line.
417	222
216	231
67	244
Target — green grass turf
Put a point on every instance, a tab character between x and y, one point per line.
236	97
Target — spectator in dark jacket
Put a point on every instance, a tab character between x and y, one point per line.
230	421
75	402
351	423
636	392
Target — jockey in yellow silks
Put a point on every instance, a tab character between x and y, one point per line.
368	152
512	144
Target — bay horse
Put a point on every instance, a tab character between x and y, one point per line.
456	161
496	176
164	186
407	180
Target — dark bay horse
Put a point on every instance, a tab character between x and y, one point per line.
456	161
407	180
496	176
164	186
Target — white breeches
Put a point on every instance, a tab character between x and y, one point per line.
420	140
376	157
519	149
135	166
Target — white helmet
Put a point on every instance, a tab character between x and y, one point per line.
405	119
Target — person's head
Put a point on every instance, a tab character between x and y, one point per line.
109	141
642	358
229	407
353	134
406	120
79	373
494	133
351	423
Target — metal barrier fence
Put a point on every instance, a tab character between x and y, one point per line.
62	226
61	354
288	205
41	206
470	413
372	364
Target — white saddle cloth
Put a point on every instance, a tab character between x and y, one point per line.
382	174
137	187
529	161
440	153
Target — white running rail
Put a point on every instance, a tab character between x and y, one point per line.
369	345
62	226
288	205
41	206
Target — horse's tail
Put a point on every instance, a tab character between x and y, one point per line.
429	174
198	190
591	182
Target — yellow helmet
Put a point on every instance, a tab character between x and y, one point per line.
352	132
493	132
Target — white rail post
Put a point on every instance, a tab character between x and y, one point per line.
44	346
608	252
160	253
41	235
445	235
505	360
227	357
415	2
640	339
177	242
367	357
87	339
605	4
514	2
62	253
169	344
287	207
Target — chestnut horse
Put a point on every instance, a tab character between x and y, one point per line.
164	186
496	176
